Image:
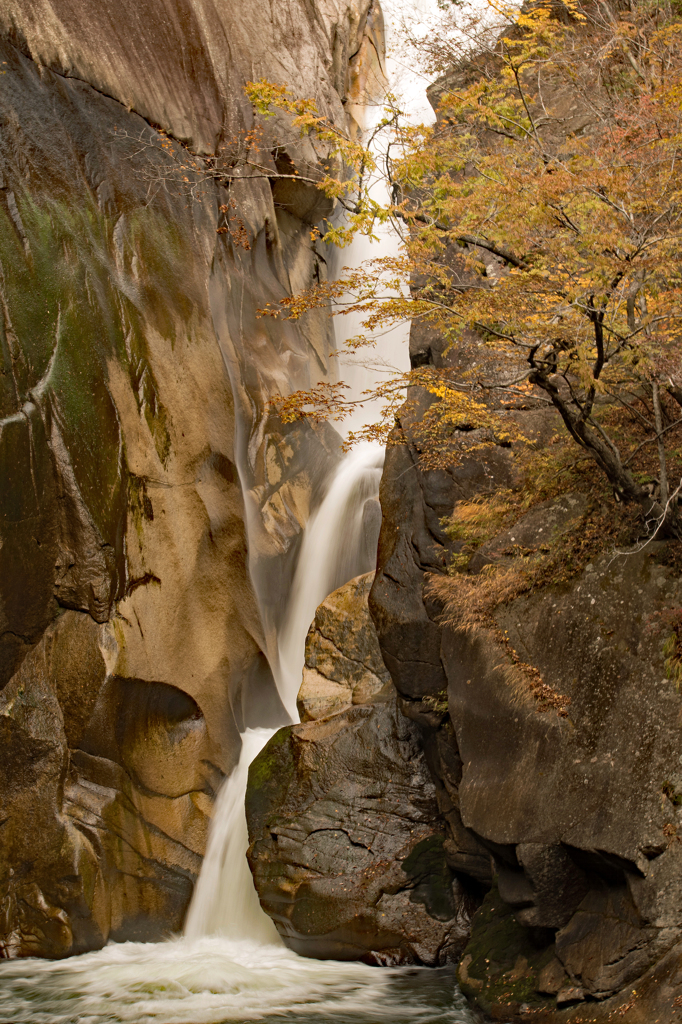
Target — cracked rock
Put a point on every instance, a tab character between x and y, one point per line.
343	663
347	844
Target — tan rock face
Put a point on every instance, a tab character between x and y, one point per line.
177	62
141	471
343	663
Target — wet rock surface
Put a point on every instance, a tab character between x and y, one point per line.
343	663
136	440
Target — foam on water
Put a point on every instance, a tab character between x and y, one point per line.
214	980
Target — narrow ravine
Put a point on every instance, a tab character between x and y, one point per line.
231	965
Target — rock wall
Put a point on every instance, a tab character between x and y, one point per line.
140	468
567	808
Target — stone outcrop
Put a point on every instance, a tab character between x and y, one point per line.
343	663
347	843
140	464
572	798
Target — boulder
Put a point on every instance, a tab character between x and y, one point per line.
343	663
347	845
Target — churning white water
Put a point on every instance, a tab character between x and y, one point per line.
216	981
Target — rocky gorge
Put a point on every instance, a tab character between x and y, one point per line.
140	459
504	796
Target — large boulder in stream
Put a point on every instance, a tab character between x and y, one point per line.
347	843
141	466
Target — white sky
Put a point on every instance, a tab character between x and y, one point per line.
406	81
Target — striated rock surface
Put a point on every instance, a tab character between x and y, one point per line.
347	846
343	663
139	462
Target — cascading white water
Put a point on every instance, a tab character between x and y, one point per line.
388	355
224	900
333	551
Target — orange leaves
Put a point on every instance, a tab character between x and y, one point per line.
322	402
541	215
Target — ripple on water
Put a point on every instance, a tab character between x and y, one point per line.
214	980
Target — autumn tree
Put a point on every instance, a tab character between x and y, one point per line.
541	214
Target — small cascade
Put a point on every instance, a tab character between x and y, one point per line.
225	901
339	543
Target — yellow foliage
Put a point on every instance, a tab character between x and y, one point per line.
541	216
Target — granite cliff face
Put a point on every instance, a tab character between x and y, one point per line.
540	751
139	466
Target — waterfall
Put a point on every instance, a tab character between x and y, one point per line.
230	966
224	900
338	544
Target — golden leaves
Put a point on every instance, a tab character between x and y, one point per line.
540	215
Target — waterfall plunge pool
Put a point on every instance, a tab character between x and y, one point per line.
213	980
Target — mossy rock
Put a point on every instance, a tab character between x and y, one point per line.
269	776
502	961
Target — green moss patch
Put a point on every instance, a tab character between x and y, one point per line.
269	776
502	960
